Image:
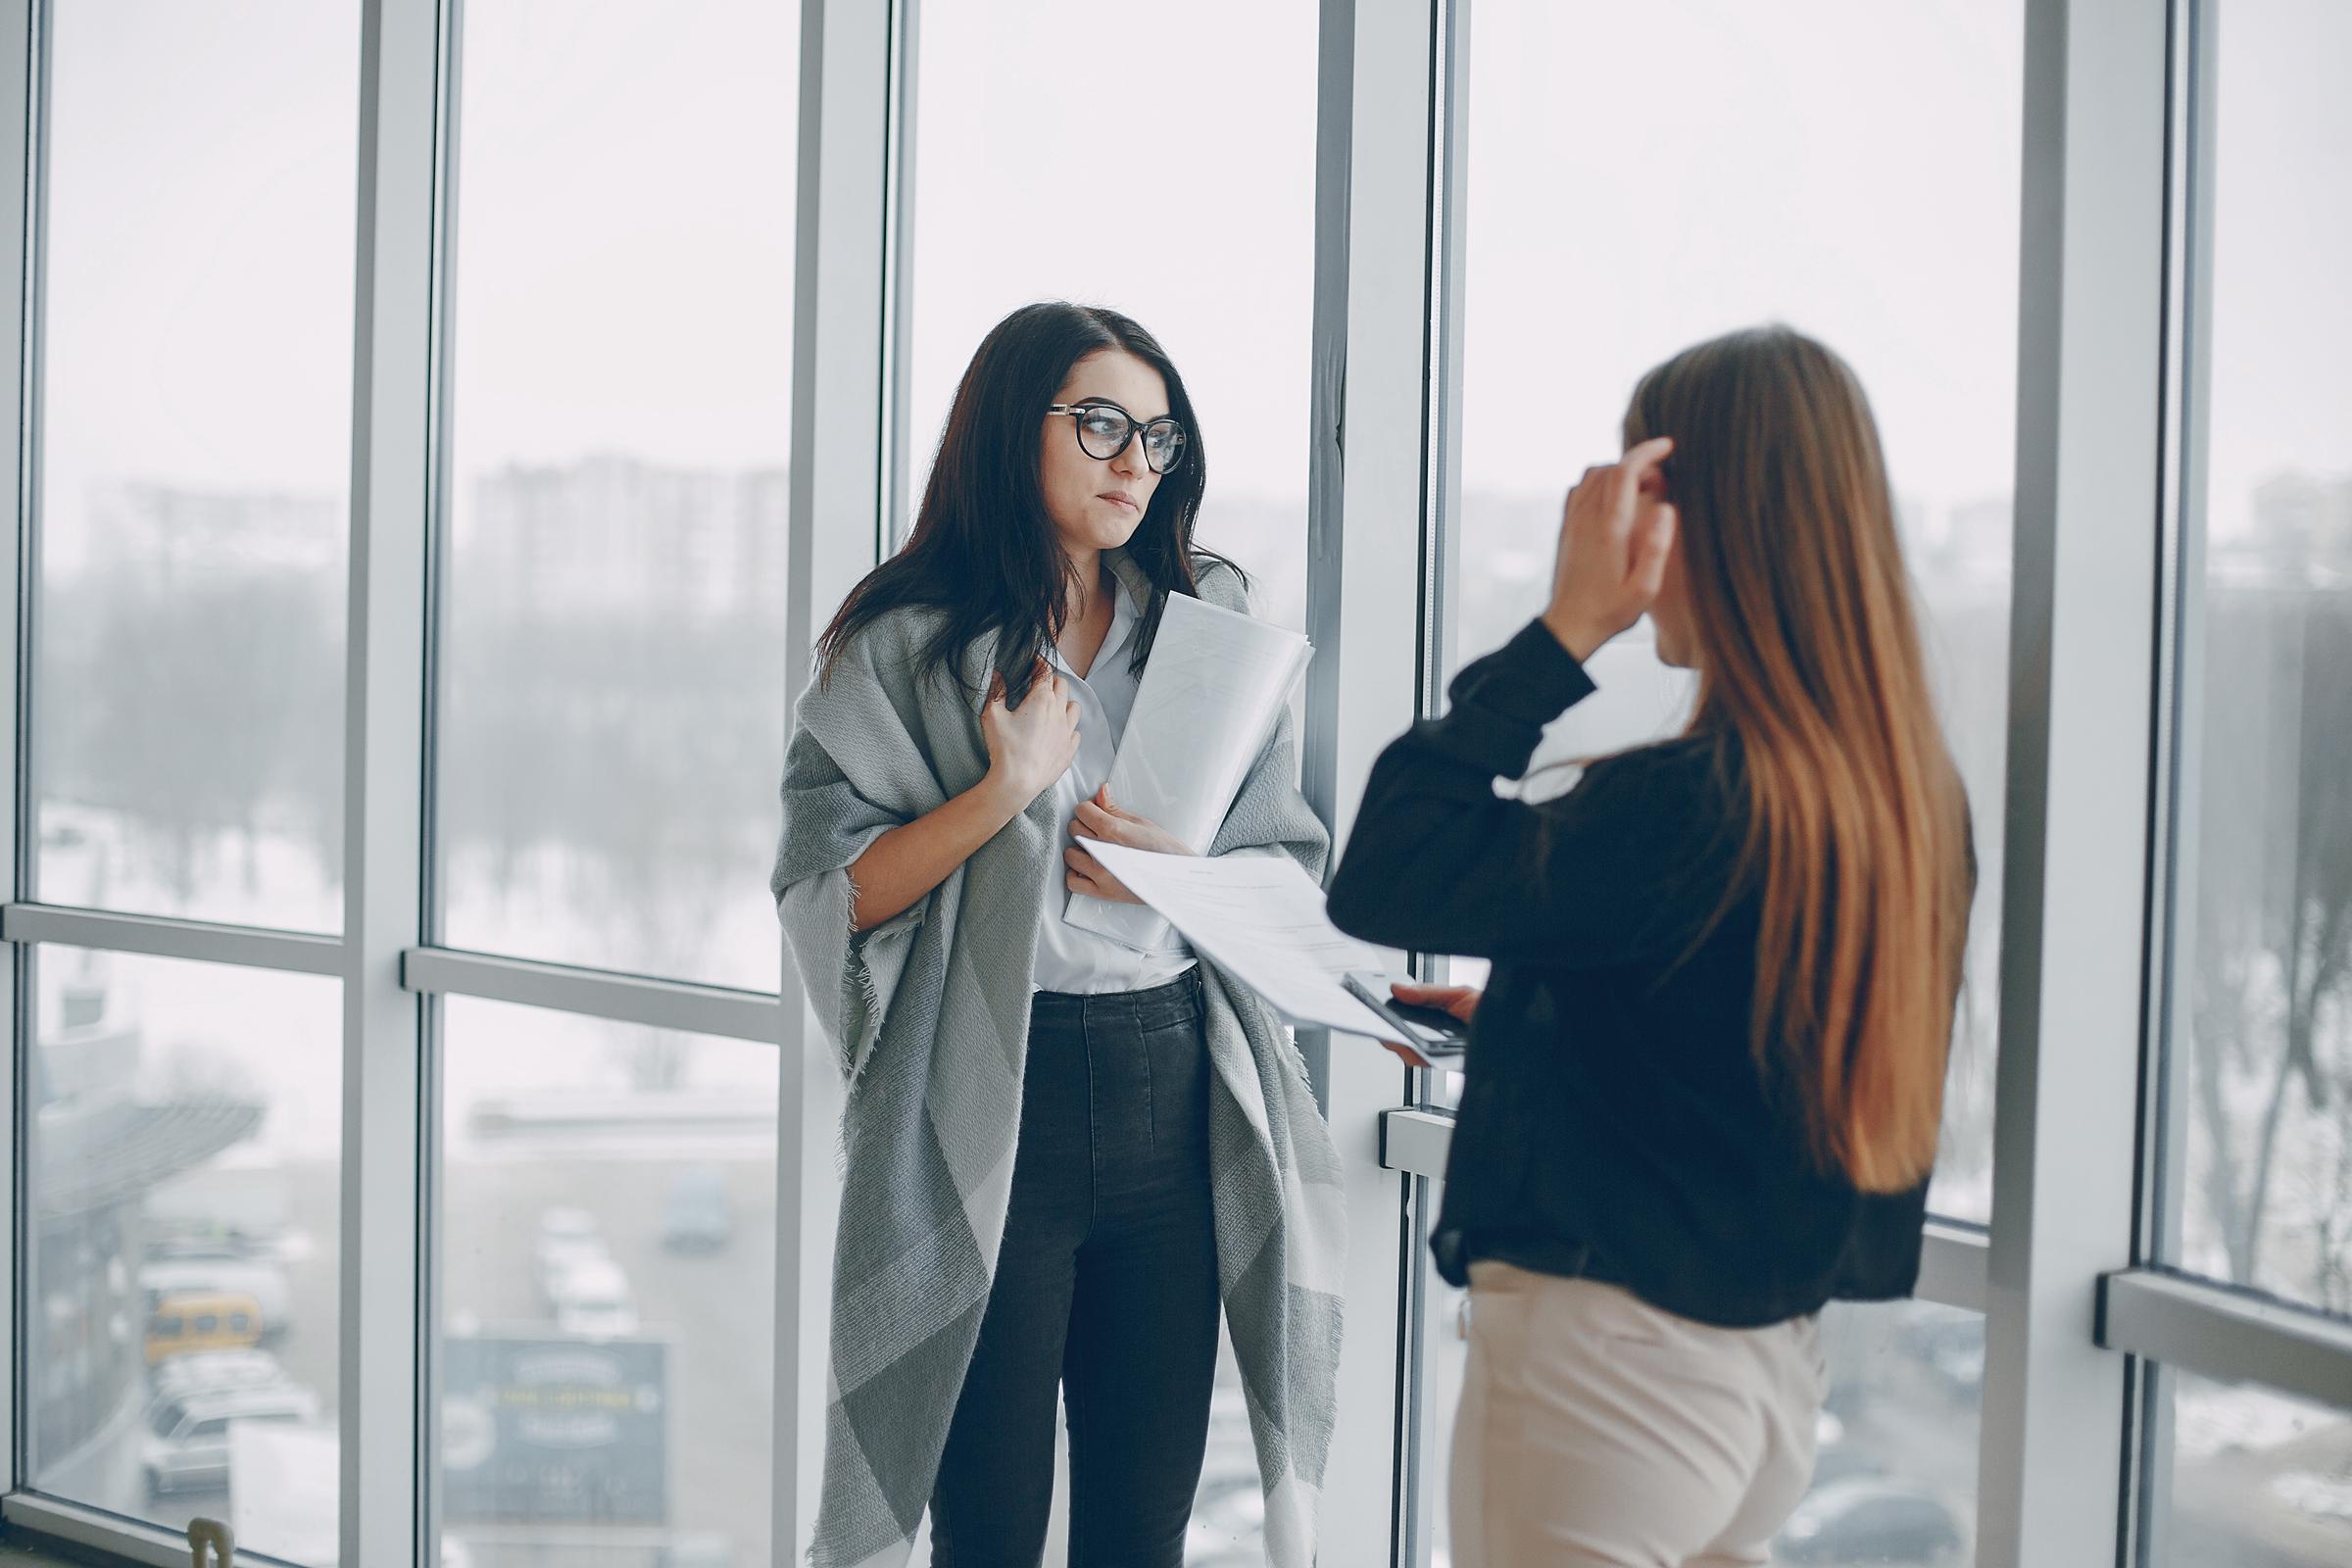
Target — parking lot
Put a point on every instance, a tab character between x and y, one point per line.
1906	1379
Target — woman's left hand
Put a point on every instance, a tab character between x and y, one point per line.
1104	820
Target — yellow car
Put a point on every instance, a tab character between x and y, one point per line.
202	1320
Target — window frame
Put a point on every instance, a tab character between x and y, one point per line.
2114	259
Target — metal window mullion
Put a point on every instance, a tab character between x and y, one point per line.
2188	326
656	1003
19	104
1449	238
1952	1264
1416	1140
2083	662
2227	1333
29	118
1440	560
385	1317
165	937
2189	410
1367	515
841	463
897	517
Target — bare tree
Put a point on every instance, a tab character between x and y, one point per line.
2273	930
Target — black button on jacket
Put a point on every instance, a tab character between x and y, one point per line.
1613	1106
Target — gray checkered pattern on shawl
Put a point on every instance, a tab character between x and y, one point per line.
930	1014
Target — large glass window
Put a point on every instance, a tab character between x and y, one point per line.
1848	169
2259	1480
193	457
1894	1469
1060	156
2267	1080
607	1236
611	703
1065	155
182	1221
1894	133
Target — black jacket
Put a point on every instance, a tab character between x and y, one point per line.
1613	1106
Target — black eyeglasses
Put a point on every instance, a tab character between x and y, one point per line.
1105	429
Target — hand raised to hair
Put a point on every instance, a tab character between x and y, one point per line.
1616	533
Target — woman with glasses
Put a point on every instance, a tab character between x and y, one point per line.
1062	1150
1705	1076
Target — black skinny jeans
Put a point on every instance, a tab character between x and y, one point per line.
1106	1286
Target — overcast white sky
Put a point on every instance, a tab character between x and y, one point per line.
1640	177
1645	176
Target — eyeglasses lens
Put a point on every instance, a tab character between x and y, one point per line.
1163	444
1103	432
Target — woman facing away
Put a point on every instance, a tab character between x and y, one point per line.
1061	1149
1706	1077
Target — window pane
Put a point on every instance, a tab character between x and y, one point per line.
2259	1480
2267	1080
1847	167
1894	1478
608	1245
194	451
180	1331
1219	267
612	702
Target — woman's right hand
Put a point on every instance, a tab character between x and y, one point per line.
1030	745
1615	536
1459	1001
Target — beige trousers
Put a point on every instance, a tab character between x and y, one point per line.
1597	1431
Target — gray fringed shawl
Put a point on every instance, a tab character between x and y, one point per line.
929	1012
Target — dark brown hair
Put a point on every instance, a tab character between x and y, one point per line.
984	549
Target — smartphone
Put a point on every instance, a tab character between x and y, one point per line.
1431	1031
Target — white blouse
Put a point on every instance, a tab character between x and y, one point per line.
1069	957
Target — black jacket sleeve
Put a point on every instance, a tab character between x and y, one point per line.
1438	862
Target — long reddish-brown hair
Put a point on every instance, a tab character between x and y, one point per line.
1807	648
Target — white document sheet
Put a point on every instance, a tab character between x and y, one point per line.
1260	918
1209	698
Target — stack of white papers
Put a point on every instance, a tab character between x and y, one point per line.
1260	918
1215	682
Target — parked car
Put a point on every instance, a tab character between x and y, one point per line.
592	1299
186	1446
1887	1523
698	1216
196	1320
1833	1463
568	1236
1952	1347
258	1277
212	1244
214	1372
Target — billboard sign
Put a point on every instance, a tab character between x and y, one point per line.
543	1428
